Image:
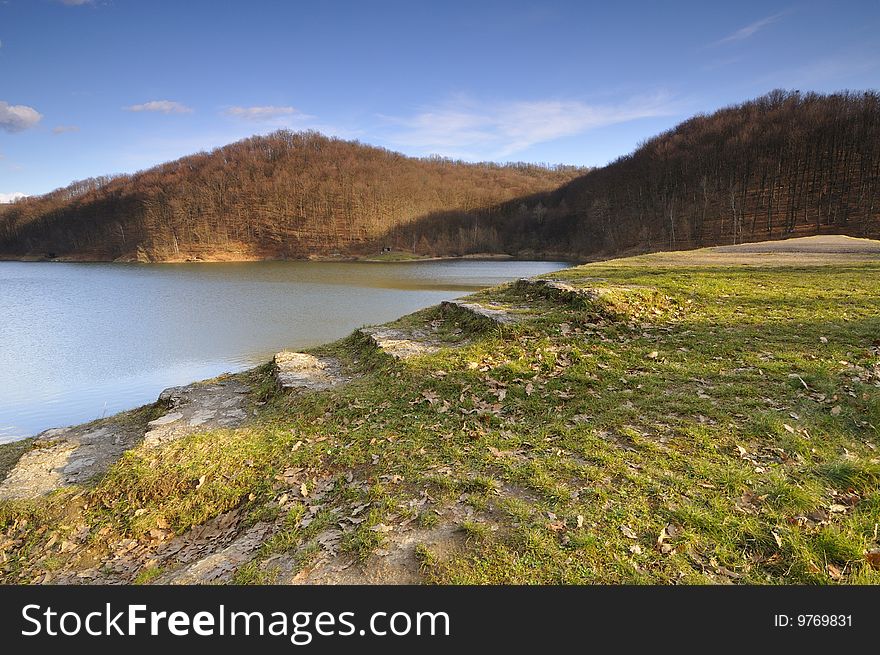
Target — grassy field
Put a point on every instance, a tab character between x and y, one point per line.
695	424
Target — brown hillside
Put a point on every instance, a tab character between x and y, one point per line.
277	196
786	164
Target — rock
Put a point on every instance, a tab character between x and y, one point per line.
165	420
556	290
65	456
401	344
496	315
304	371
220	566
196	408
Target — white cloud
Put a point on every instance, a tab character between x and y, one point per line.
473	130
61	129
11	197
161	106
265	114
17	118
76	3
751	29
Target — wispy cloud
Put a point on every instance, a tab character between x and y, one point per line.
470	129
76	3
17	118
266	114
11	197
832	72
751	29
161	106
61	129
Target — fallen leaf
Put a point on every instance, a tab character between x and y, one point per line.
653	354
304	490
835	410
834	572
628	532
777	538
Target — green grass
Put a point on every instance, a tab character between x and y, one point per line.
696	425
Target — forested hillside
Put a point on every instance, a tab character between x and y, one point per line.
786	164
277	196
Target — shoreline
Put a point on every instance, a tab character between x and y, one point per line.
342	259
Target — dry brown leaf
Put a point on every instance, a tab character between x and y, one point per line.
834	572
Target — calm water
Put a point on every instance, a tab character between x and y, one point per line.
81	341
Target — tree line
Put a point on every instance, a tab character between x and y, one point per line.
785	164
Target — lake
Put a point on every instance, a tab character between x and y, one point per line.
82	341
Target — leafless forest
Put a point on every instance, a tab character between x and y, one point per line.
786	164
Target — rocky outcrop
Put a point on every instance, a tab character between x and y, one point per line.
307	372
67	456
401	343
197	408
492	313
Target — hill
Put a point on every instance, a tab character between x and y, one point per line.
285	195
786	164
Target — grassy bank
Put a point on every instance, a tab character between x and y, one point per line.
695	424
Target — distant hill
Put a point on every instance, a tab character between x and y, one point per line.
786	164
285	195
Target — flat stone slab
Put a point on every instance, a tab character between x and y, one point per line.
400	343
199	407
304	371
65	456
497	315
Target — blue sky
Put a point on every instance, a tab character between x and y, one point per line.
90	87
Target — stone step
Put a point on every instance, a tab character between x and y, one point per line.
496	315
400	343
295	370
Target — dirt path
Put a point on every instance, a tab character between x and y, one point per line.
802	251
